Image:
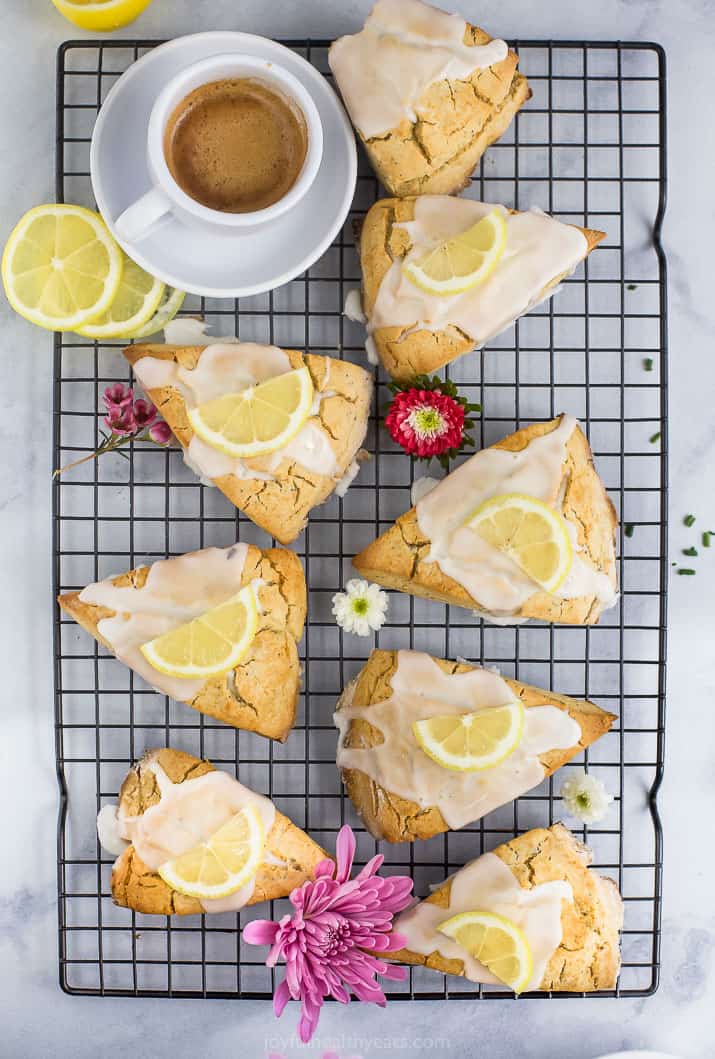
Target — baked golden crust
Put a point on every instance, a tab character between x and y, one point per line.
387	815
588	958
135	886
457	121
259	695
398	560
280	505
403	352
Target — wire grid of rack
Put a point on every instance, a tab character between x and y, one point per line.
590	148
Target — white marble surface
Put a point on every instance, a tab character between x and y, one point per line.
36	1019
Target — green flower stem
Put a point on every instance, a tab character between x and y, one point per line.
111	443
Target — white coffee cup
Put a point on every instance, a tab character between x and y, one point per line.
167	198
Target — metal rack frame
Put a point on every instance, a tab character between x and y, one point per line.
589	147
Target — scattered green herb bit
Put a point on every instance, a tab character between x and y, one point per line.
631	286
689	520
648	363
654	437
706	539
686	570
690	551
629	529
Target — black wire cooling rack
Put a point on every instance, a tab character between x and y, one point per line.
588	147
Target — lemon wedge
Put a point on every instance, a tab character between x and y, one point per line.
210	644
464	261
259	419
135	303
529	532
496	942
61	267
225	863
102	15
466	742
169	306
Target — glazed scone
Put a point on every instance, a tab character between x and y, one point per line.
541	880
261	693
427	93
413	332
430	551
279	490
142	822
384	769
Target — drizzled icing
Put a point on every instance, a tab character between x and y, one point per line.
404	47
230	367
420	689
488	885
187	814
490	576
539	250
175	591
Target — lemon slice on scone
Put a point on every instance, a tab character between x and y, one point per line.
209	645
258	420
225	863
466	742
136	302
61	267
464	261
529	532
496	942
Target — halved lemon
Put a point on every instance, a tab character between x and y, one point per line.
171	302
61	267
530	532
209	645
222	865
465	260
259	419
136	301
102	15
467	742
496	942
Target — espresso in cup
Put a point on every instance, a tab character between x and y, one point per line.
236	145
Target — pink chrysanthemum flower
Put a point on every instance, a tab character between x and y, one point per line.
121	421
329	940
144	413
160	433
425	423
117	395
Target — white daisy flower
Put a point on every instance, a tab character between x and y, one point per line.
585	797
361	608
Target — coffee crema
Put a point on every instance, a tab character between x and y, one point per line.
236	145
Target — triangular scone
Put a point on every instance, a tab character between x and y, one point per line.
424	115
586	957
402	558
415	694
261	693
292	854
277	491
540	252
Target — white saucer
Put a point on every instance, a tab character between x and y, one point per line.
220	266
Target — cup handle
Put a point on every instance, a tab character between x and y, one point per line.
137	219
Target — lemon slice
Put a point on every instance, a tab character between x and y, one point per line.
61	267
464	261
496	942
169	306
530	532
468	742
259	419
222	865
210	644
136	302
102	15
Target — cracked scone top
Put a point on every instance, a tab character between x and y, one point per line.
278	490
169	803
129	610
541	881
427	93
432	551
